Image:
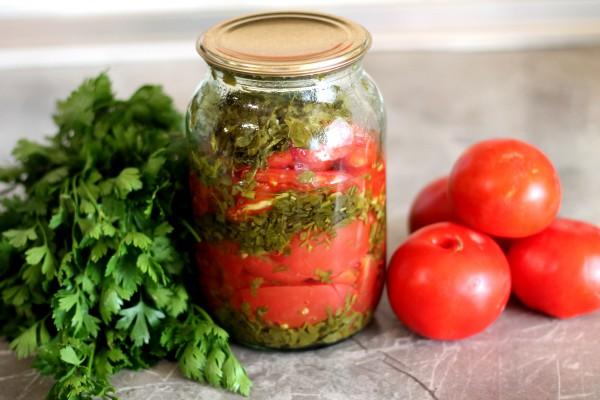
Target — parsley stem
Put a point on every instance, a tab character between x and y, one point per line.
39	224
191	230
91	359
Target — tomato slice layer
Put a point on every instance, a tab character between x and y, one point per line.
294	306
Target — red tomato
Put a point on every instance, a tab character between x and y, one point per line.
505	187
448	282
369	284
361	155
320	258
431	205
280	159
557	271
294	306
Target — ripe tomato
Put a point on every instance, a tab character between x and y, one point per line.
557	271
505	187
448	282
294	306
431	205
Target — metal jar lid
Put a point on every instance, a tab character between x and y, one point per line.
286	44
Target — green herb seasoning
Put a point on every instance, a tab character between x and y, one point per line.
288	180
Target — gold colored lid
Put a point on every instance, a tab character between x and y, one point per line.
284	44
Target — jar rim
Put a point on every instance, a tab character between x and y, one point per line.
285	44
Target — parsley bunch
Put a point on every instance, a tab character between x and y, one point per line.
94	249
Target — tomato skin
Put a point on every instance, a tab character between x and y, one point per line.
295	306
505	187
557	271
431	205
448	282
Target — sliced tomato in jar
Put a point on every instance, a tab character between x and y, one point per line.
347	277
377	179
362	154
369	284
280	160
277	272
324	258
222	261
294	306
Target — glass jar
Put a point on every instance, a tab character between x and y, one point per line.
288	180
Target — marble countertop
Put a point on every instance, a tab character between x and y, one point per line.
437	103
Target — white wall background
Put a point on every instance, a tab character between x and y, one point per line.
41	33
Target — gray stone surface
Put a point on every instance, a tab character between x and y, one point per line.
438	103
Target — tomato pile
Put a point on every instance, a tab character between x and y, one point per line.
329	272
489	227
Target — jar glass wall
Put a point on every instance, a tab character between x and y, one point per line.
288	187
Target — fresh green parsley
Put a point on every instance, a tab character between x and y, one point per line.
93	248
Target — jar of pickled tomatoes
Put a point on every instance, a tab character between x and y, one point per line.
288	179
